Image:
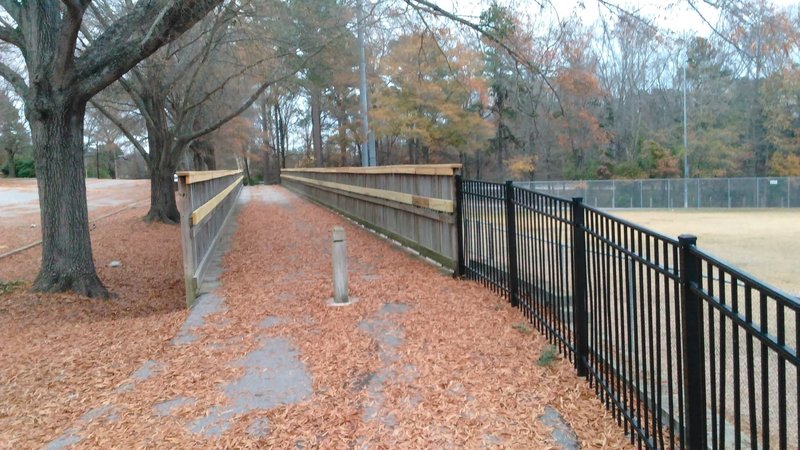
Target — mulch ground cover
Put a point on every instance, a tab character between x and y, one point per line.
466	370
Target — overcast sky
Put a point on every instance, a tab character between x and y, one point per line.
678	18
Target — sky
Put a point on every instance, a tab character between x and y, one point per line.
679	18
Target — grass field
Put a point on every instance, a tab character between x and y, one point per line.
762	242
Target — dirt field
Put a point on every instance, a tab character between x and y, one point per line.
19	206
762	242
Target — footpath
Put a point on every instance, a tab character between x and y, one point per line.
420	360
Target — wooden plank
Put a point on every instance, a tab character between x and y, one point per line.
435	204
344	200
205	175
201	212
427	169
393	235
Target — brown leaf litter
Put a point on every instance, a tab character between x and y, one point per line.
459	374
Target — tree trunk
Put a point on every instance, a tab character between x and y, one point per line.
162	163
316	124
342	139
67	263
197	161
210	158
267	169
247	176
162	196
284	142
12	168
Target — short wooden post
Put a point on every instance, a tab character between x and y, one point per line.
340	294
189	263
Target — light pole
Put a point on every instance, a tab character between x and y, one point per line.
367	147
685	145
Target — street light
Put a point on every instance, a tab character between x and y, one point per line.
685	145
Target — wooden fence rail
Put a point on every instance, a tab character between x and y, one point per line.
205	200
412	204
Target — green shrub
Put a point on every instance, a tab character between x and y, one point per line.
25	167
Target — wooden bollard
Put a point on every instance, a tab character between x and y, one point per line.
340	294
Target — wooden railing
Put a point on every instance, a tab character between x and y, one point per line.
206	200
413	205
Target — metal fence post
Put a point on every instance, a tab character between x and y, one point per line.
693	348
511	241
460	270
579	313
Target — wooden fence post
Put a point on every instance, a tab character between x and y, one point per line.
340	288
189	260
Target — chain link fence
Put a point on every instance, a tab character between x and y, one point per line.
768	192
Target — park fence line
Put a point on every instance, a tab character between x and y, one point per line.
669	193
206	200
685	350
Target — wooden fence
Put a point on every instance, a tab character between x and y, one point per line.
205	200
413	205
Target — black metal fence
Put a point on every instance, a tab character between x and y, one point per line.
686	350
768	192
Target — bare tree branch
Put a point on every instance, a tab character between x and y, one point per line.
134	37
432	8
714	28
68	37
12	7
516	56
210	43
118	123
214	126
11	36
134	95
622	12
15	79
186	109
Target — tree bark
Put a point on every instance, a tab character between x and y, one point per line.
284	139
12	168
162	196
67	263
162	163
316	124
55	91
248	178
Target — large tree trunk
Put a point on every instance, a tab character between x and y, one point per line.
67	263
162	196
316	124
162	164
